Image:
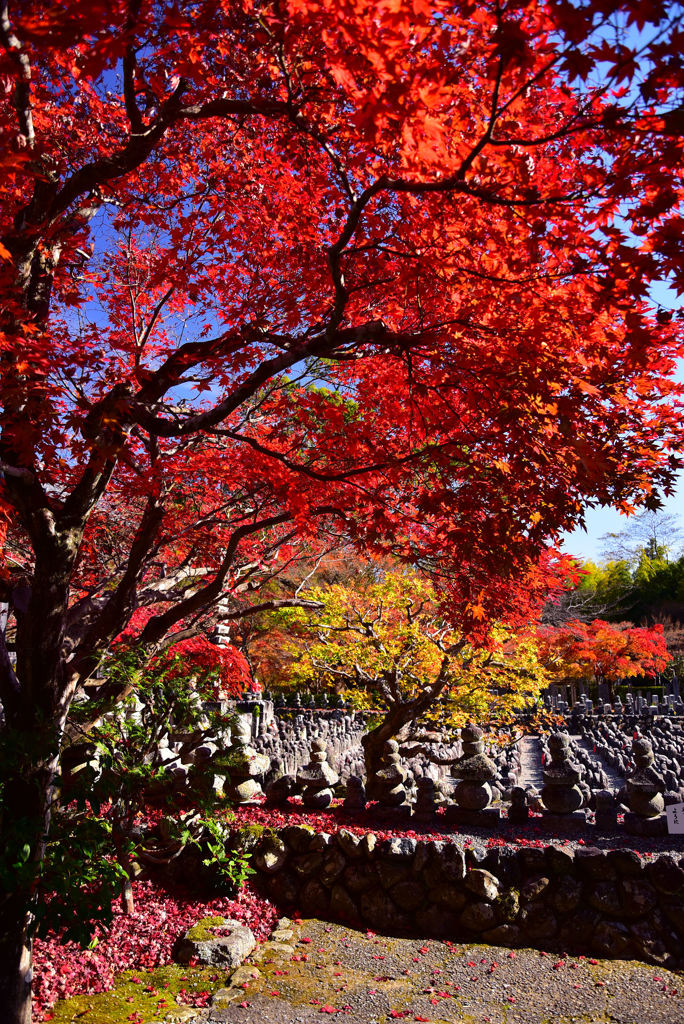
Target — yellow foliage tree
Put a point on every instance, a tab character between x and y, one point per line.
386	645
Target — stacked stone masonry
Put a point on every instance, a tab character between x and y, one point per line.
591	901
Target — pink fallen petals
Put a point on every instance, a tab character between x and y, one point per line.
139	943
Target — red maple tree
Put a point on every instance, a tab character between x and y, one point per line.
280	273
600	650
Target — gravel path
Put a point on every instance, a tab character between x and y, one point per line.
318	970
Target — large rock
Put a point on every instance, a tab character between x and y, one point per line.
603	896
381	913
271	854
314	899
450	896
216	942
560	859
478	917
483	883
537	921
610	938
360	877
534	888
637	897
408	894
666	875
342	906
567	894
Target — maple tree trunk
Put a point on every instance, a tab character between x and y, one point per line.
373	742
28	792
16	957
36	706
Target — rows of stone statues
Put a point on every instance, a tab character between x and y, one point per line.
599	767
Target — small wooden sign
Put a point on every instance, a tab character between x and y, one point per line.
675	818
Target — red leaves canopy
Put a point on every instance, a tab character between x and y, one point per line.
274	273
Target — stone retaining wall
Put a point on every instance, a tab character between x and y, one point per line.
591	901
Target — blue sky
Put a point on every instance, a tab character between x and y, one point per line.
606	520
600	521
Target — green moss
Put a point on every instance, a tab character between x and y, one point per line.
142	997
203	931
508	905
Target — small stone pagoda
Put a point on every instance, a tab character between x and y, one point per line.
317	778
561	795
475	772
645	789
244	766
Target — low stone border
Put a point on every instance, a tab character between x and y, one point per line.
604	903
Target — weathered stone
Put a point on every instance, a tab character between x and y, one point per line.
627	863
314	898
518	812
534	888
560	859
645	786
421	857
400	849
283	887
567	894
408	894
297	837
270	855
216	942
477	917
533	860
537	921
355	796
390	872
333	866
610	938
560	792
666	875
320	841
576	927
446	864
673	909
637	897
507	905
368	843
603	896
349	844
359	877
448	895
592	861
342	906
307	864
483	883
503	935
380	912
647	936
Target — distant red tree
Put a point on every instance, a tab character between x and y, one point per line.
601	650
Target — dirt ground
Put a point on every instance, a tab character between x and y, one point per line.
311	971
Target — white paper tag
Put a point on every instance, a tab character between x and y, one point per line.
675	818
